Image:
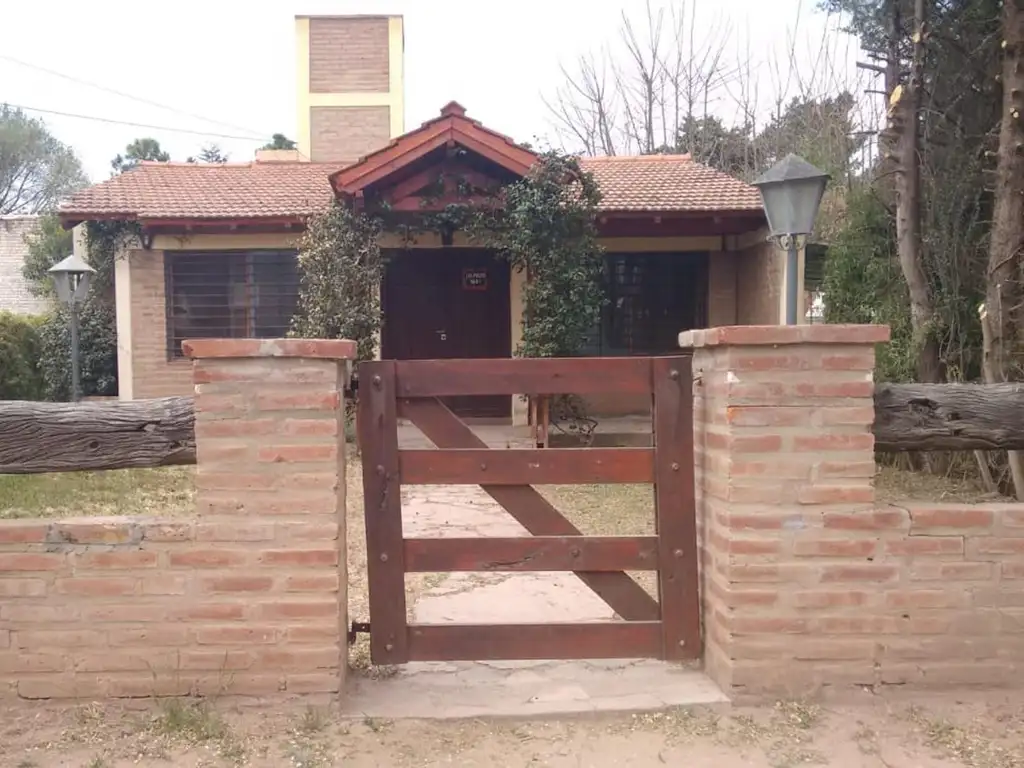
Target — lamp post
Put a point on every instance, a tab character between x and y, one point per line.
791	191
71	279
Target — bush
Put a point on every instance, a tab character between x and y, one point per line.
20	374
97	339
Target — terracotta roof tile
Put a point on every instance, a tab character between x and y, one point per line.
668	183
199	191
663	183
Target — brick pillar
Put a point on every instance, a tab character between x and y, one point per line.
785	469
270	487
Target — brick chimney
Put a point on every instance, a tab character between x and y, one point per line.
350	85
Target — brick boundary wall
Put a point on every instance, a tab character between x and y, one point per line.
807	583
247	598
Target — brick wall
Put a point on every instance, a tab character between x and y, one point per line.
344	134
806	581
247	598
760	278
153	374
14	293
348	55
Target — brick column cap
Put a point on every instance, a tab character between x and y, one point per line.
776	335
323	349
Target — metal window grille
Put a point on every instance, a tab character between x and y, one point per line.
229	294
651	297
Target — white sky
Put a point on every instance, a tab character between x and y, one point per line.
234	62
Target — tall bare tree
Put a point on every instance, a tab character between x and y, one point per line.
637	95
904	112
1002	313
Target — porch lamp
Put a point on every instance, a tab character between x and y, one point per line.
791	191
71	279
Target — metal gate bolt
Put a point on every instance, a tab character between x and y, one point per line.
383	557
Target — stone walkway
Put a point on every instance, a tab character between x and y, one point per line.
510	688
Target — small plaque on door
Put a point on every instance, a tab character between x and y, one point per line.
474	279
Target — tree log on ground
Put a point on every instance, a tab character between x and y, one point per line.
949	417
61	437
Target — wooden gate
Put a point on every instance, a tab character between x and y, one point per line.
667	628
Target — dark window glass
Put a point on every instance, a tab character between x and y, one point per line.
229	294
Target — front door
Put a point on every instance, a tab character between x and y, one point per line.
450	303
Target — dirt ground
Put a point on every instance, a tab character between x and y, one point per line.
887	731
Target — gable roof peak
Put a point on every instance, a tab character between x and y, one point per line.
453	109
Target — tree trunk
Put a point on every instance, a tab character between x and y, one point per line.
948	417
905	112
1003	284
62	437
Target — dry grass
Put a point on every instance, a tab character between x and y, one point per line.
168	491
895	484
609	510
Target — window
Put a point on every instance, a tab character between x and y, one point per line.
229	294
651	297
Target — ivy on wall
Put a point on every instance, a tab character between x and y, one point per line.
547	229
543	224
341	269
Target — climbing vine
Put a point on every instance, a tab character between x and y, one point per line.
341	268
547	228
543	224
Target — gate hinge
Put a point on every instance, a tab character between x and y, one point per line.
358	627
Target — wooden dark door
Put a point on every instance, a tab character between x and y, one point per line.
445	304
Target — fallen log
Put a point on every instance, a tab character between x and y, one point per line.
949	417
63	437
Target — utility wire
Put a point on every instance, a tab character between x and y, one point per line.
135	125
132	97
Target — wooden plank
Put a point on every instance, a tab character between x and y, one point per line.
535	513
473	466
535	553
378	440
532	376
675	507
67	437
491	642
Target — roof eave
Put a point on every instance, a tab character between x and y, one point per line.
69	220
676	213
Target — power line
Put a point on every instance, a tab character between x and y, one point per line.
135	125
132	97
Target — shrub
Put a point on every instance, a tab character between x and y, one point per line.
20	375
97	347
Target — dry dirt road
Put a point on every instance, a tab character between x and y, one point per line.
884	731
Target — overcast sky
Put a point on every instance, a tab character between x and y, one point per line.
231	64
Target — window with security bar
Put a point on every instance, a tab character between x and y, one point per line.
229	294
649	299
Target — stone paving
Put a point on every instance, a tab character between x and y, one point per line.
510	688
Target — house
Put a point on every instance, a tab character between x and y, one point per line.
15	295
686	245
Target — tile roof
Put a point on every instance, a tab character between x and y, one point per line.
200	191
668	183
656	183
